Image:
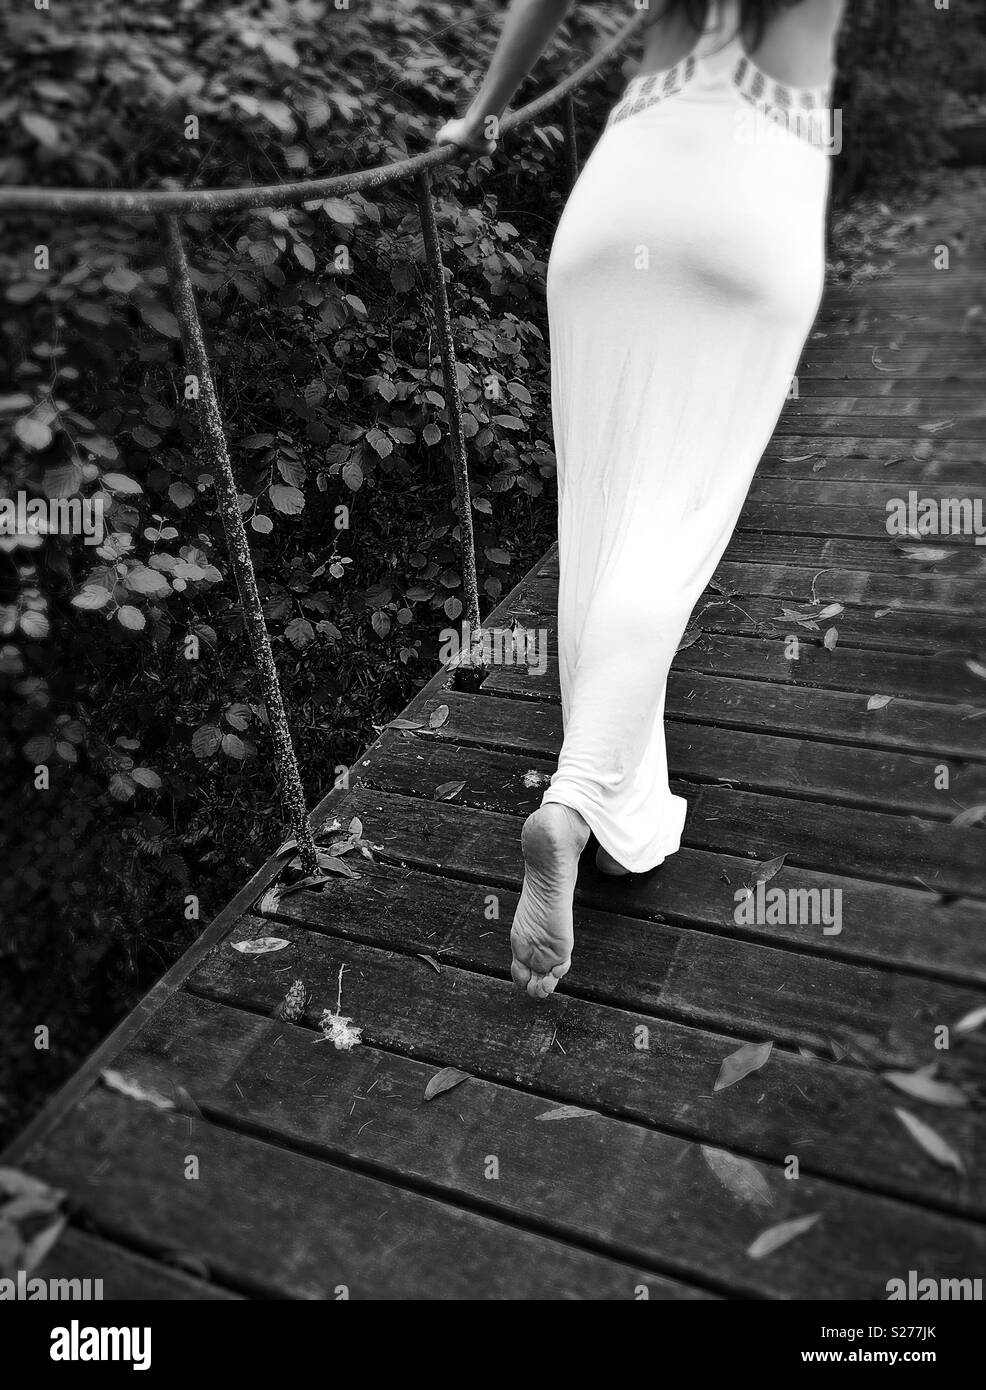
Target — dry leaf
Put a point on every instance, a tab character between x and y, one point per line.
14	1183
405	724
444	1080
928	554
447	791
977	669
975	815
749	1058
356	828
689	639
431	961
776	1236
971	1022
922	1085
260	945
341	1032
438	717
832	611
765	872
116	1081
831	639
878	701
739	1176
932	1142
566	1112
269	901
329	864
533	778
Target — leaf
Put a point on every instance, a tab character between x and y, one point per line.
131	618
973	815
448	791
146	581
146	777
159	318
444	1080
775	1237
32	432
438	717
765	872
977	669
135	1090
924	1087
233	746
340	212
831	639
739	1176
878	701
15	1183
971	1022
289	501
329	864
431	961
746	1059
832	611
567	1112
431	434
181	494
121	280
260	945
119	482
43	130
929	1140
206	741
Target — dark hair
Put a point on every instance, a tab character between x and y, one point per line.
755	14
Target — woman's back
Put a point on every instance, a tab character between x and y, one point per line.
796	47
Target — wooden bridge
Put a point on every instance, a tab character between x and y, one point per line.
597	1147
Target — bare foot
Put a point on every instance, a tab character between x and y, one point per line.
543	932
606	864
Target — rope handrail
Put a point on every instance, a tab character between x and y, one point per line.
167	207
131	203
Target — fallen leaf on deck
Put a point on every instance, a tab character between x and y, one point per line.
922	1086
447	791
260	945
832	611
566	1112
438	717
286	848
270	900
929	1140
831	639
929	554
356	828
444	1080
974	815
739	1176
765	872
878	701
431	961
405	724
977	669
116	1081
777	1236
882	612
329	864
689	639
938	426
533	778
971	1022
749	1058
14	1183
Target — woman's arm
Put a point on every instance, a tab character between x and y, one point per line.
528	27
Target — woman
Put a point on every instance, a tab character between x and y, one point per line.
683	281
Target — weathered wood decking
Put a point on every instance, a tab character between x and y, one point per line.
321	1169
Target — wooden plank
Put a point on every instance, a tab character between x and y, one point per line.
838	1120
820	491
649	1196
920	726
884	924
850	520
700	752
840	839
817	552
947	679
722	982
895	630
126	1275
285	1225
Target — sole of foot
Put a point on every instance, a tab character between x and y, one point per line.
543	932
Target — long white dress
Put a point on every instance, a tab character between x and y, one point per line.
684	278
